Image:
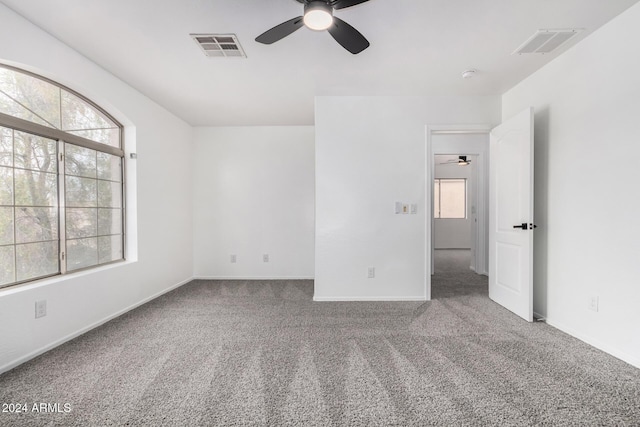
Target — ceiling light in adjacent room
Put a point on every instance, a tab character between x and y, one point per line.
462	161
318	15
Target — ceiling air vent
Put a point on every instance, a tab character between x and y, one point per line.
546	41
219	45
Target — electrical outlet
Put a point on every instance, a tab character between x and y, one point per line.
414	208
265	258
371	272
593	303
233	259
41	308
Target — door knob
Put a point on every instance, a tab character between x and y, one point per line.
526	226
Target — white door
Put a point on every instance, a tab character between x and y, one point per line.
511	215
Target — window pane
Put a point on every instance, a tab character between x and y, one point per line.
6	226
36	188
35	152
453	198
109	221
81	118
436	199
109	248
6	147
109	194
82	222
7	261
109	167
6	186
82	253
80	161
10	107
81	192
36	224
29	98
109	136
36	260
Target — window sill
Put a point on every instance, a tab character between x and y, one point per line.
46	281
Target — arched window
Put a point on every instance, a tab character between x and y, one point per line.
61	180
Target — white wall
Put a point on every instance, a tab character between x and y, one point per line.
587	132
370	153
158	193
454	233
254	195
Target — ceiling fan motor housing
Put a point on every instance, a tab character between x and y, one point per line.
318	4
318	15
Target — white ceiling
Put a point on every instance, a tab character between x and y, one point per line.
418	47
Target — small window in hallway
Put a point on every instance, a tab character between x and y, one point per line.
450	198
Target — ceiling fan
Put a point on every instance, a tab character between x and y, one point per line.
318	16
462	161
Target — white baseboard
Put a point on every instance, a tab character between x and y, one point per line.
86	329
323	299
251	278
632	360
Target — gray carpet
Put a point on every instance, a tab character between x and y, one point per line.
453	277
451	260
262	353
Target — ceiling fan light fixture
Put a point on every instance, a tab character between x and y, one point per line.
318	15
462	161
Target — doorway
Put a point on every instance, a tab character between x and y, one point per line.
457	199
455	218
505	220
454	212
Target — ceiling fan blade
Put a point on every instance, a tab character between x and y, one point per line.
280	31
348	37
342	4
